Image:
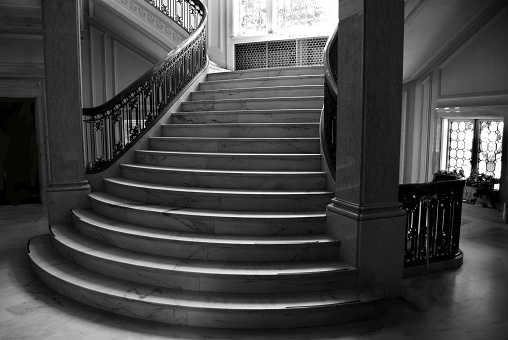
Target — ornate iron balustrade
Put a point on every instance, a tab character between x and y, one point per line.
329	116
187	14
433	214
110	129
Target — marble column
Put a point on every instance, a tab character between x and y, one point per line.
365	214
67	187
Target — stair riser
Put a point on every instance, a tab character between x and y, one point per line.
225	181
212	224
268	202
210	251
293	71
297	91
254	104
132	304
300	163
242	117
284	131
262	82
237	146
175	279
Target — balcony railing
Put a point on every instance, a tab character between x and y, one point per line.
111	128
433	215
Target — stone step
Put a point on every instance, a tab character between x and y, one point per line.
225	179
224	222
228	199
259	92
231	161
268	72
199	246
200	275
262	82
203	309
237	145
242	130
248	116
307	102
210	309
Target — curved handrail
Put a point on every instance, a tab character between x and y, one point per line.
329	115
111	128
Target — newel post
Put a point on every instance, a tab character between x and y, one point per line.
365	213
67	187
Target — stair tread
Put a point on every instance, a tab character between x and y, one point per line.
66	234
45	257
224	172
248	139
236	192
299	98
232	154
262	88
308	76
243	124
91	217
260	111
206	213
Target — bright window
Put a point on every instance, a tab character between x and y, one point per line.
295	17
475	145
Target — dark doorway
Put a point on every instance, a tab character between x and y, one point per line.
19	176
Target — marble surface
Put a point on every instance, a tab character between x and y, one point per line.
231	161
209	221
309	102
242	130
259	92
274	72
237	145
216	247
263	81
200	275
464	303
225	179
187	307
248	116
228	199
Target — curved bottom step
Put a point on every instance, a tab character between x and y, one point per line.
216	310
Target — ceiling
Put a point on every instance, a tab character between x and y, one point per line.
433	27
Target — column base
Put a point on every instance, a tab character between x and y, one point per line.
372	242
64	197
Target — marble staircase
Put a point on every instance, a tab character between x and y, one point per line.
221	222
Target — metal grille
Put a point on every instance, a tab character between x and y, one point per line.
281	53
249	56
311	51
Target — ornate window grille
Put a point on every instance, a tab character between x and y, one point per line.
475	145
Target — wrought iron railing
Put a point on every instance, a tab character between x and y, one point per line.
433	215
110	129
187	14
329	115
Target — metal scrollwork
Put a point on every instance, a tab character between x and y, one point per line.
110	128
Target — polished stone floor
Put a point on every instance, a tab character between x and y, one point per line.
470	302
